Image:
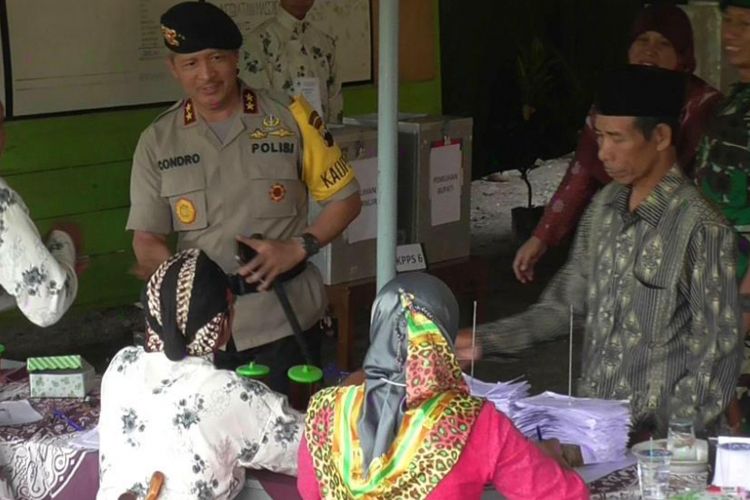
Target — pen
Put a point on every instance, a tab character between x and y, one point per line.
539	433
67	420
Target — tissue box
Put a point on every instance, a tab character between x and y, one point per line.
60	377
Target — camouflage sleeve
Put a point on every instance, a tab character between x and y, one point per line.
325	171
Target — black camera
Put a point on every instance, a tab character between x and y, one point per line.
245	254
239	286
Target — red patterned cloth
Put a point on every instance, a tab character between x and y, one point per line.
586	175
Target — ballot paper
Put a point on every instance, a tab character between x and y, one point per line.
86	440
599	427
18	413
501	394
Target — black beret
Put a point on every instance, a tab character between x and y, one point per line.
642	91
745	4
194	26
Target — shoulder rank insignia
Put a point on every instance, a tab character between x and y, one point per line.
185	211
188	112
249	101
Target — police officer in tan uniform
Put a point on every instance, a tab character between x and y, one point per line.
228	162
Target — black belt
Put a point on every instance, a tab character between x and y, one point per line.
239	286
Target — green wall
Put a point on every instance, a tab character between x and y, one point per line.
77	168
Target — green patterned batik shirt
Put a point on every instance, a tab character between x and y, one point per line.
723	166
658	290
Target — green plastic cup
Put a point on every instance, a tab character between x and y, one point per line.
305	380
253	370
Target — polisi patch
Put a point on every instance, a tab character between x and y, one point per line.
179	161
335	172
272	147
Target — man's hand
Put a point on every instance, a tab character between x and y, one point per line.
464	352
565	455
74	231
274	257
527	257
150	251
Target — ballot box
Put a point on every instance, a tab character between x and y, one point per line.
434	177
352	255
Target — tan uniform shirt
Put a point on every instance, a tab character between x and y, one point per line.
184	180
283	49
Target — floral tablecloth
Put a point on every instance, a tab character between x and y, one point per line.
37	460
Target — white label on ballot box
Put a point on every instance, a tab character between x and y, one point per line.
365	226
410	258
445	184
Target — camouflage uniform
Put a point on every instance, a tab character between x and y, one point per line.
723	173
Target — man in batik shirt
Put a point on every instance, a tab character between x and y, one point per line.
652	269
287	53
37	277
723	166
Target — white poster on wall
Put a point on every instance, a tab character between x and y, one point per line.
109	53
365	226
445	184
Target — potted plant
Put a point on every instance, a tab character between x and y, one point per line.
550	97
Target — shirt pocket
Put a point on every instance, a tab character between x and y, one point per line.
186	194
651	290
275	188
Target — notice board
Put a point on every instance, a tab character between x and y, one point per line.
73	55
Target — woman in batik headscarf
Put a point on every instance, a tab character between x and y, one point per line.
412	430
167	407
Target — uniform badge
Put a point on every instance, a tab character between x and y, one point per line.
188	112
316	121
277	192
273	126
258	134
185	210
171	36
281	132
249	101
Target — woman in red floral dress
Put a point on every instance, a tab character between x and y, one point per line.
661	36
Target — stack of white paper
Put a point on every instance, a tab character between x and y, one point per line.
18	413
599	427
501	394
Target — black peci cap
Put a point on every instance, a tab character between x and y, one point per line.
642	91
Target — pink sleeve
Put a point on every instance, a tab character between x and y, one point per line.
582	180
307	482
522	471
